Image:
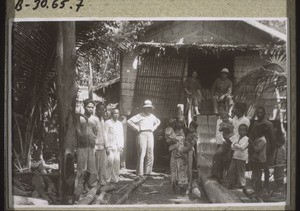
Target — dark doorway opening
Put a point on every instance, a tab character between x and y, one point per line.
208	68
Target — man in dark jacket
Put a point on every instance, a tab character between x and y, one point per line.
87	132
270	138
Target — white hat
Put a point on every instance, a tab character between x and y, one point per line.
225	70
148	104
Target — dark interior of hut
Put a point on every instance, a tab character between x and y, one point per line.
208	68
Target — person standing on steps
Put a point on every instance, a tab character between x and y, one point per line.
223	152
144	124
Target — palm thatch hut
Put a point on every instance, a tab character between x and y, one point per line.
169	51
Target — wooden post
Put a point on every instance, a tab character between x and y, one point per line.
90	84
66	94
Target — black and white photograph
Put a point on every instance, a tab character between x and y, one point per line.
149	112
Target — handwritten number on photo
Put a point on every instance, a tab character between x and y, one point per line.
62	3
79	5
44	4
18	6
54	4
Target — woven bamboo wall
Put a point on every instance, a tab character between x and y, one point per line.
160	80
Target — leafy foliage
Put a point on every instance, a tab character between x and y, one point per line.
33	87
101	44
271	78
278	25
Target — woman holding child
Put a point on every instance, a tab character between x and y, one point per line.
181	148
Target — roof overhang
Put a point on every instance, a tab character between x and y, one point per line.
266	29
213	48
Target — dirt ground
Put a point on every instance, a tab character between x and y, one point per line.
156	190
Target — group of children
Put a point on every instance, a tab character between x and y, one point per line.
240	143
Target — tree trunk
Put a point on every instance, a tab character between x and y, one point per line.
66	94
90	82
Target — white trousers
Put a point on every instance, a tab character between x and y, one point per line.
145	147
113	166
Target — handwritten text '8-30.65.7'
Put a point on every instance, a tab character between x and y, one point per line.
49	4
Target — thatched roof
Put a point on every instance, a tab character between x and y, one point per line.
212	48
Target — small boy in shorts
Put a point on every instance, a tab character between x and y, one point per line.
237	169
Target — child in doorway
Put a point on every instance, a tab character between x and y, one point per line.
258	158
226	126
237	169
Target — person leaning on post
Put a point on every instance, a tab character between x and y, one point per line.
87	131
144	124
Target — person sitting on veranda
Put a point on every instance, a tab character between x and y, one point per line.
222	91
192	88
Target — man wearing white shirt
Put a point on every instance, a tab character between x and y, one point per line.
115	143
239	118
144	123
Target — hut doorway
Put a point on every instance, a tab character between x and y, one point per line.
208	69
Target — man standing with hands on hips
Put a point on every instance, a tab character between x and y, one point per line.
144	123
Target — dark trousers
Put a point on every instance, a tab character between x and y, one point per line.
270	161
218	160
236	173
256	175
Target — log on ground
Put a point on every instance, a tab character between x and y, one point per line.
90	196
19	192
196	193
217	193
21	200
132	187
100	198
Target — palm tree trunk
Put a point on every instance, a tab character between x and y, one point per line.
66	93
90	82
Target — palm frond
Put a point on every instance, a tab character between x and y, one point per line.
254	84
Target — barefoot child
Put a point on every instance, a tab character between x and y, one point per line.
237	169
